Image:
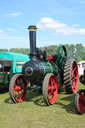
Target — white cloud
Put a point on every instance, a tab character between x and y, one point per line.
60	28
1	31
10	29
15	14
75	25
49	23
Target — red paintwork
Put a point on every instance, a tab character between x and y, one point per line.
50	58
74	77
18	93
81	102
1	80
41	57
2	76
52	89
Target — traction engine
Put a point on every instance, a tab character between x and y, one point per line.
47	73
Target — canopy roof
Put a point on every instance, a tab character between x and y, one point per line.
13	56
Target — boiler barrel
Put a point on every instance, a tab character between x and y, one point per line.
50	67
36	70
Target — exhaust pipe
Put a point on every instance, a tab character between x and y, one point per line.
32	39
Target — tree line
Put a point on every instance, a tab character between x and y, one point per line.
76	51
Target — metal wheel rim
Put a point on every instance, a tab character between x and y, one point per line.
74	77
18	92
81	102
52	89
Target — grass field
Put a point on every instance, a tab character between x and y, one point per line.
33	113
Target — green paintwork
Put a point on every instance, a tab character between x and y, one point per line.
61	57
3	77
50	67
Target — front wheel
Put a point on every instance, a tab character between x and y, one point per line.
80	101
16	88
50	89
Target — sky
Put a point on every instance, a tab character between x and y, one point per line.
58	22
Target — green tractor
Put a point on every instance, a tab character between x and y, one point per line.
10	64
48	73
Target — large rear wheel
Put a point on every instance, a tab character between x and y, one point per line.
71	76
50	89
80	101
16	88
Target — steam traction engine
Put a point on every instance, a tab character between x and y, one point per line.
47	73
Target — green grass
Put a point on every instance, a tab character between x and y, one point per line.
33	113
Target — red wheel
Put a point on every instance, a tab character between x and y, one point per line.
50	89
74	77
80	101
16	86
71	76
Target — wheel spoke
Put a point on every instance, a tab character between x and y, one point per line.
74	69
18	82
18	96
14	92
22	86
50	90
17	88
73	85
49	87
74	78
22	92
51	82
72	74
49	94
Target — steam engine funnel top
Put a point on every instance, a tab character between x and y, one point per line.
32	28
32	37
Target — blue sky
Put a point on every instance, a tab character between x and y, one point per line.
58	22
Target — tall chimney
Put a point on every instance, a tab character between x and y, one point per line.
32	38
